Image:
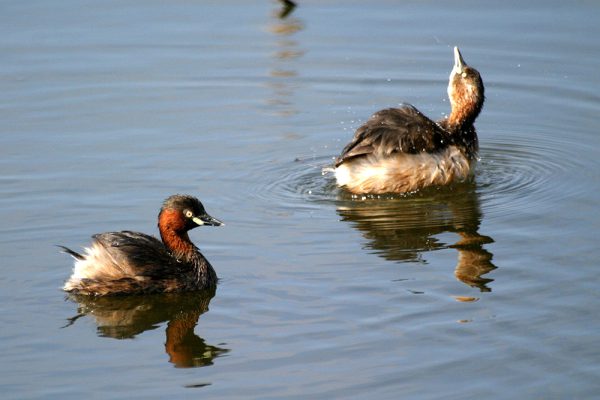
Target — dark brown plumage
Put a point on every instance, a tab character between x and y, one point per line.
395	130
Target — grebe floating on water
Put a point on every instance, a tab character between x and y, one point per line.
131	262
400	150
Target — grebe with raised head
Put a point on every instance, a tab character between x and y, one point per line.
131	262
400	150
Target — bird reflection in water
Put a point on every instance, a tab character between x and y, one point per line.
284	26
287	8
406	228
125	317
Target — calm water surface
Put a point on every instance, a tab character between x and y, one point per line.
486	289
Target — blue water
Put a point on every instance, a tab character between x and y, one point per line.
486	289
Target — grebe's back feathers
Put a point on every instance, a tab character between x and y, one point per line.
137	254
395	130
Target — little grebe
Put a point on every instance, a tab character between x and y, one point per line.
400	150
131	262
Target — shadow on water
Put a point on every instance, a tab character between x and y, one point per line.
406	228
125	317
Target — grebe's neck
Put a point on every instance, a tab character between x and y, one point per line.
179	244
462	117
466	95
174	235
466	106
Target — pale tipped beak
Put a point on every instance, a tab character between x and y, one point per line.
459	63
207	220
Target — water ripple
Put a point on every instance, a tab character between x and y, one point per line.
514	173
299	183
523	173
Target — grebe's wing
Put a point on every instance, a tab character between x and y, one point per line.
136	254
394	130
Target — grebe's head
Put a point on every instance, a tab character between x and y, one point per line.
465	88
181	213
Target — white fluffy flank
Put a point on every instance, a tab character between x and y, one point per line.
402	173
97	264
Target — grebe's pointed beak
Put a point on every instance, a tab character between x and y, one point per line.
206	219
459	62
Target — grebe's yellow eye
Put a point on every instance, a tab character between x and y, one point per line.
464	74
188	213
